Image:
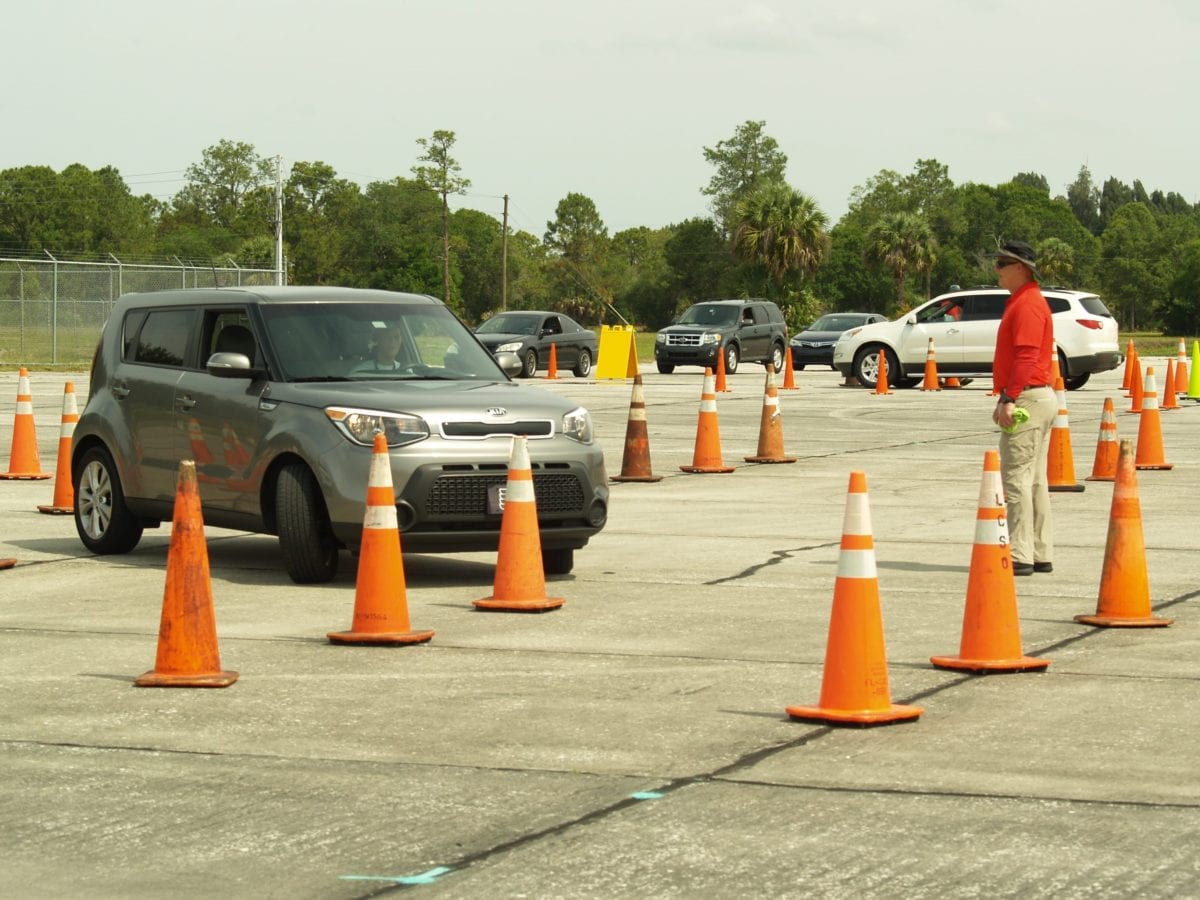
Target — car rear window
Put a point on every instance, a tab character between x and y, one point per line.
1095	306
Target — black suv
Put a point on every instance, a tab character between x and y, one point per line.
751	329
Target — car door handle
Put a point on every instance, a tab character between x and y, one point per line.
120	392
951	331
186	403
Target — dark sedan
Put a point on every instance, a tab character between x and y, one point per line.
530	334
815	343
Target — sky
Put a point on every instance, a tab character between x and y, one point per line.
615	100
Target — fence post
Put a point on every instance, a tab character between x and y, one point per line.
53	310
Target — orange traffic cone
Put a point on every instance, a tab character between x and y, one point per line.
854	688
953	383
520	583
380	595
770	429
931	376
1137	388
1104	467
1180	384
991	633
187	636
1169	400
881	375
635	463
7	563
1124	600
789	372
552	368
1060	462
63	502
1149	440
1127	376
706	457
721	386
23	462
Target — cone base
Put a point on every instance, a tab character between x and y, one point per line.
7	563
706	469
1101	478
643	478
894	713
1019	664
24	476
1124	621
1073	488
196	679
931	389
379	638
770	459
545	604
1162	466
56	510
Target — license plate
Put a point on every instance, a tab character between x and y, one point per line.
495	500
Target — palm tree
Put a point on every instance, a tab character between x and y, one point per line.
1056	261
901	242
781	229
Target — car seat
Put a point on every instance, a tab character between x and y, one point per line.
237	339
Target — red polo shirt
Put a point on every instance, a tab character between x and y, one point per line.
1024	342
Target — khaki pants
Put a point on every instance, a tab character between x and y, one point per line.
1023	456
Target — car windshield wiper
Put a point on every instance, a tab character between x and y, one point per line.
320	378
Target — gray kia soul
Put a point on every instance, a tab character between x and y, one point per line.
277	393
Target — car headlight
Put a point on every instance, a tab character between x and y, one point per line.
360	426
510	347
710	337
577	425
846	335
660	338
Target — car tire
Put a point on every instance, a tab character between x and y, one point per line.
558	560
583	366
777	359
1071	382
732	355
797	367
665	368
866	365
529	363
104	522
310	552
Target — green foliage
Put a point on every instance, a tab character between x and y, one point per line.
744	162
782	230
1180	312
902	243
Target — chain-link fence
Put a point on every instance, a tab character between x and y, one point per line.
51	310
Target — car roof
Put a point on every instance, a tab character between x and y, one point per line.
733	302
993	289
273	294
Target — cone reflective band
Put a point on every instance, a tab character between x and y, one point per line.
380	593
854	687
1060	458
770	430
991	633
23	462
1150	441
706	458
635	463
931	374
1104	466
1180	385
63	502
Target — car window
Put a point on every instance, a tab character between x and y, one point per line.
752	315
163	339
984	307
551	325
948	310
509	324
709	314
1058	304
1095	306
133	321
839	323
228	331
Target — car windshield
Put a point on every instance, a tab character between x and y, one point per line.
510	324
316	341
835	323
709	314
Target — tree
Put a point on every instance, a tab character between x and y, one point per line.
901	242
391	239
1033	180
744	162
1055	260
1133	273
219	185
1084	200
440	174
578	241
317	209
1113	196
780	229
476	239
1181	311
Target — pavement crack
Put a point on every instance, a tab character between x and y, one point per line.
776	557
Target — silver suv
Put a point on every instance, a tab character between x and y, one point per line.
277	394
963	325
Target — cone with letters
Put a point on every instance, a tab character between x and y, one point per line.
1149	439
63	502
1104	466
931	382
23	461
706	457
1124	600
854	688
1060	461
991	632
770	430
187	635
635	463
520	583
380	592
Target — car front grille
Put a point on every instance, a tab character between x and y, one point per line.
466	494
479	430
683	340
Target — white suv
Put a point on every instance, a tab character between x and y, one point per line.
963	325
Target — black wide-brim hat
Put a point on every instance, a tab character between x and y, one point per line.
1020	251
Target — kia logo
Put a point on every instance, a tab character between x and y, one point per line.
497	411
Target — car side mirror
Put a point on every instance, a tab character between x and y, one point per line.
510	364
231	365
911	319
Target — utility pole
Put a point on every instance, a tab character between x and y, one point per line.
279	220
504	258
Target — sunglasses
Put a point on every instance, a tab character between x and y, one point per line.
1005	263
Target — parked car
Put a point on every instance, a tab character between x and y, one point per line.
530	334
751	330
963	325
277	393
814	345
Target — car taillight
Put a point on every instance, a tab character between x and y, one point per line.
1090	323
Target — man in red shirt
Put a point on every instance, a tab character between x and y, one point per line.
1021	374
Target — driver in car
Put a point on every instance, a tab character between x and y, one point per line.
383	353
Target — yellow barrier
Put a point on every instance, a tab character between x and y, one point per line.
618	355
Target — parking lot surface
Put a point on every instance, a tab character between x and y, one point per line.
633	743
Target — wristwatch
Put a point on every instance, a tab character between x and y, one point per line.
1004	398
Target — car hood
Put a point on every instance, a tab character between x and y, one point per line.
818	336
494	339
444	397
692	329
